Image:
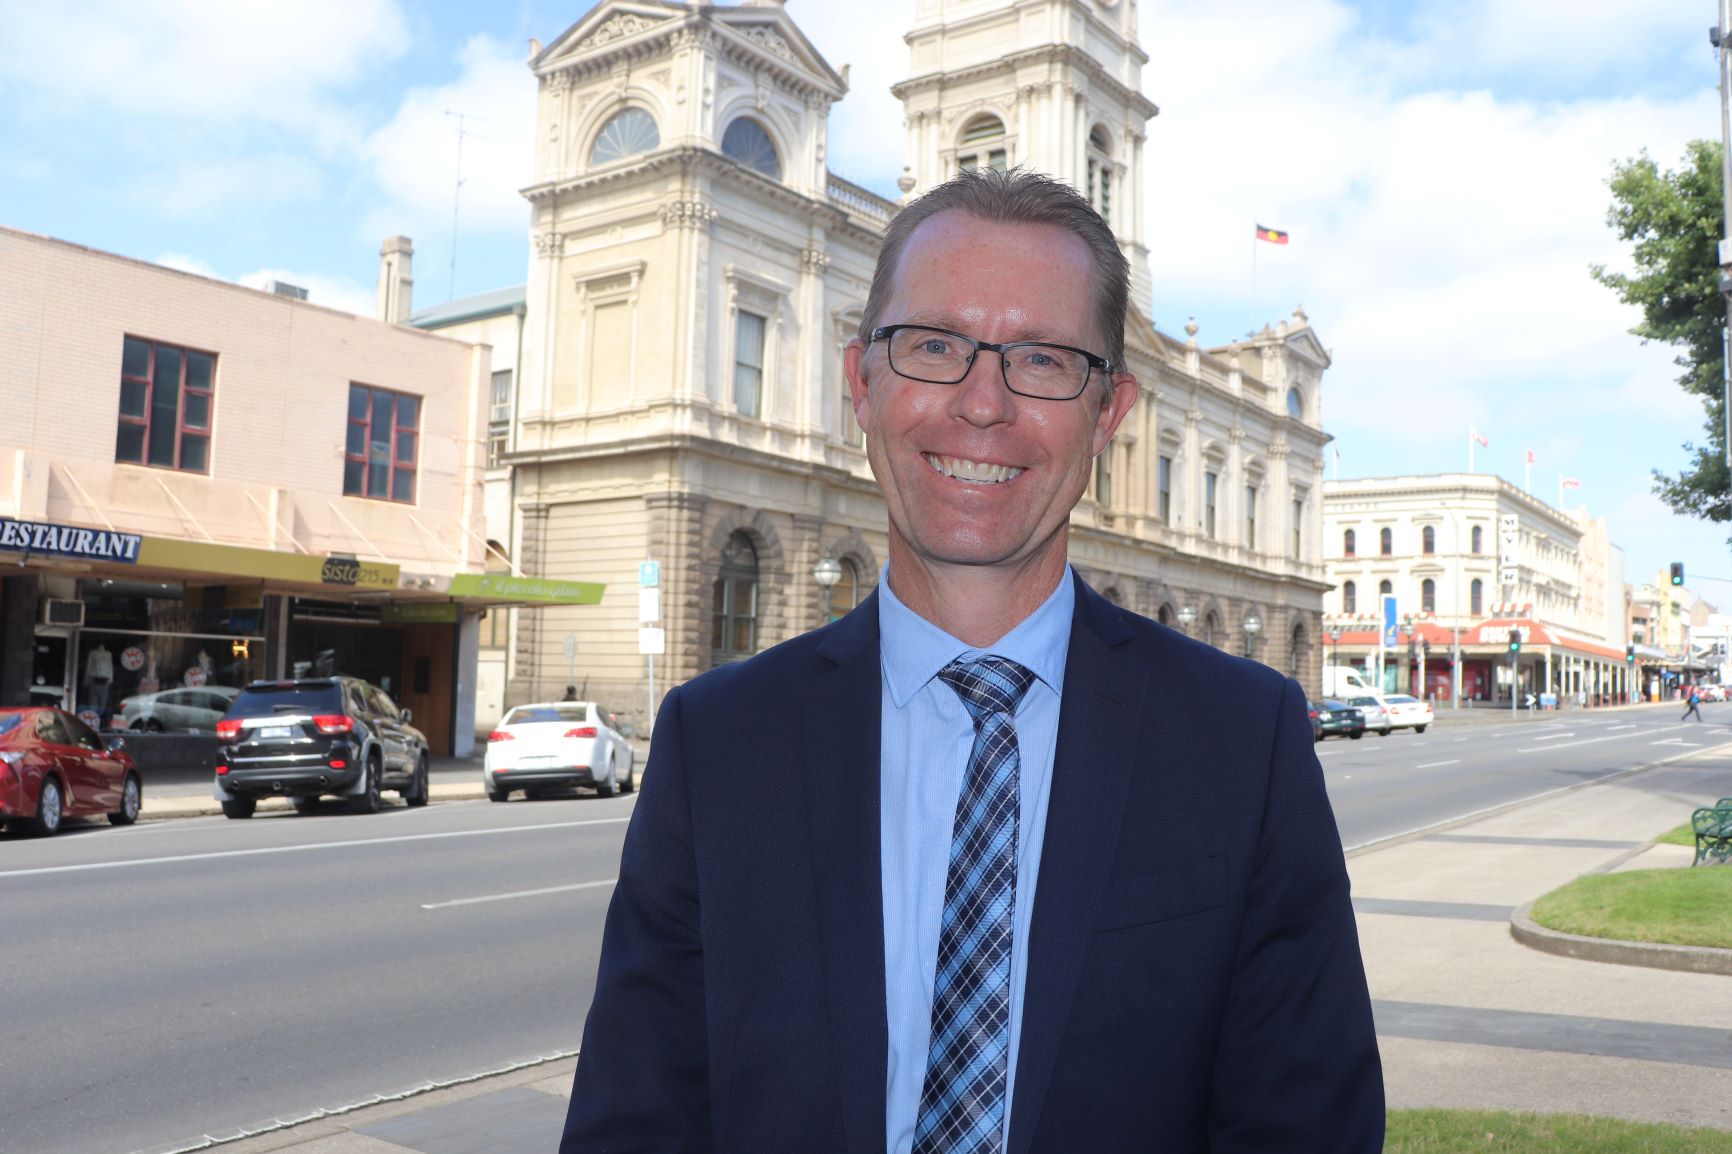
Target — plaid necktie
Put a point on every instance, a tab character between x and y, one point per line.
962	1102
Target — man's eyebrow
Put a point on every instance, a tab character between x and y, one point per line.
1026	333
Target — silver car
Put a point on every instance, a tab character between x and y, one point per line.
1376	714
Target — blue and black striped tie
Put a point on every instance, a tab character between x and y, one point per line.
963	1101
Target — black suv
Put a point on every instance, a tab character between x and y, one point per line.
317	735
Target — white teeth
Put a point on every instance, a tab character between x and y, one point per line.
964	470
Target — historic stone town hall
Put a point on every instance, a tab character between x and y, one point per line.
668	385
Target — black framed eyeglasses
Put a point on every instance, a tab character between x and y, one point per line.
1031	368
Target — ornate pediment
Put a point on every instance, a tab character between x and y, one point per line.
609	26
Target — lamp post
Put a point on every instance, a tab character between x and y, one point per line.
1253	626
1335	636
1187	615
826	573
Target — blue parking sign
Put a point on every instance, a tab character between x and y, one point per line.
1390	635
649	574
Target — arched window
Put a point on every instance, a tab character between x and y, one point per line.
1478	538
1350	544
982	145
1428	596
1428	539
747	142
1100	172
1298	652
1296	404
845	594
734	629
1385	542
1350	598
1112	594
1165	615
627	134
1476	597
1384	588
1211	626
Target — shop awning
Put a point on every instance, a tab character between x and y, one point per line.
504	589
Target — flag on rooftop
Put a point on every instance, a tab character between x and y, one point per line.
1570	483
1475	434
1272	235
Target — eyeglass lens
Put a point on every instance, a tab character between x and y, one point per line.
938	357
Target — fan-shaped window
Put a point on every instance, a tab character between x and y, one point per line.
1350	598
627	134
1296	404
982	145
747	142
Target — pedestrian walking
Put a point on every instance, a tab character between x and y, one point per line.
1694	698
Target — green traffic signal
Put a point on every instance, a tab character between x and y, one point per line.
1677	572
1630	654
1515	641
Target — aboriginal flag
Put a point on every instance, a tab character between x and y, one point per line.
1272	235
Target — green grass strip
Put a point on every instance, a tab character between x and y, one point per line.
1683	907
1483	1131
1683	835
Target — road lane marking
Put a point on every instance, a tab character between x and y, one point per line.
262	850
1435	764
1555	736
1676	741
517	894
1615	728
1585	741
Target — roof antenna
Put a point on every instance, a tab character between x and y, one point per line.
457	192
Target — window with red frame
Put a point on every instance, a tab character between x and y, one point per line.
379	456
166	397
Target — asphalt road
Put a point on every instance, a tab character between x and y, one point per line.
203	976
1385	786
196	977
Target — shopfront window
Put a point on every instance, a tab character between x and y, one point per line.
159	658
379	458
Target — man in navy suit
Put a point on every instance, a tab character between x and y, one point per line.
990	865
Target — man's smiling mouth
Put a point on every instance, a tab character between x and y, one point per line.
965	470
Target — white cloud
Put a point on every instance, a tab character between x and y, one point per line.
414	155
867	143
275	62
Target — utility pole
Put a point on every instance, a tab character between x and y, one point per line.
1721	37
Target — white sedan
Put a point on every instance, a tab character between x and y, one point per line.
1407	712
556	745
1377	718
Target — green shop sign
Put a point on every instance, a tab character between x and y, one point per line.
531	590
419	613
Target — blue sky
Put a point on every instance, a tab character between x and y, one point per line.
1440	165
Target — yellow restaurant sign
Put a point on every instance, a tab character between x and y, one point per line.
527	590
334	573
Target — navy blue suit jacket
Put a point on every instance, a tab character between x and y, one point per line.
1194	978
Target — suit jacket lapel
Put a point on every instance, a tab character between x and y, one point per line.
840	717
1103	691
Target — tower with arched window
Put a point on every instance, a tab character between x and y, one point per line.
1055	86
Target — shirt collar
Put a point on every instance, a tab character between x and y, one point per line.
913	649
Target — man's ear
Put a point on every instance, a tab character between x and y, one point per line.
854	368
1121	395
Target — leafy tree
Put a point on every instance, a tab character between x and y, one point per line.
1674	221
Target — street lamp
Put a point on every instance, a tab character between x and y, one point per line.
1335	636
1187	616
1253	626
826	573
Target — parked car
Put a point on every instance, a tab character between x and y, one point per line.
558	744
1337	717
1408	712
1375	711
53	766
177	710
312	736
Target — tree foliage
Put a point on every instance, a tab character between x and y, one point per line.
1674	221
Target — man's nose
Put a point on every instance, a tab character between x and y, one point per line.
982	397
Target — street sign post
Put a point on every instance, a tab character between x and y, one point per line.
651	640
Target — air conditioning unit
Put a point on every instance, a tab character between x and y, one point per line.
63	612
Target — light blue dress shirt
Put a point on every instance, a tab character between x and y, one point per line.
926	738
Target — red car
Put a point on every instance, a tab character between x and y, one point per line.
53	766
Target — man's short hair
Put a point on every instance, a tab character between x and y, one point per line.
1016	197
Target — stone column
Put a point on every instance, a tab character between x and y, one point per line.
676	539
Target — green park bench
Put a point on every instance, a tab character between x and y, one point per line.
1713	826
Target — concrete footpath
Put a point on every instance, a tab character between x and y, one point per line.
1467	1016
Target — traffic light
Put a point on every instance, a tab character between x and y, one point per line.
1630	654
1677	572
1515	640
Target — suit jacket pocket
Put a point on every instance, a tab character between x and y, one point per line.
1169	890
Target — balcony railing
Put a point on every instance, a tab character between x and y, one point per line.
860	201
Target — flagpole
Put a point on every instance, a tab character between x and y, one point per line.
1470	440
1254	239
1528	477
